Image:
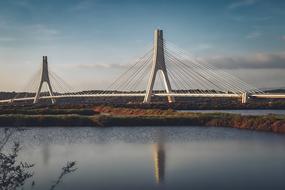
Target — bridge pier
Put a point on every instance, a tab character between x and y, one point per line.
244	97
158	64
44	78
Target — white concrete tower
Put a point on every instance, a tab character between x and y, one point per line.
244	97
158	64
44	78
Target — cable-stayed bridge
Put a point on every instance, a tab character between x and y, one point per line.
163	71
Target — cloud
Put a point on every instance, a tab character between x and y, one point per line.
254	61
283	37
242	3
42	30
254	35
4	23
7	39
103	66
82	6
243	18
39	32
27	4
11	31
204	46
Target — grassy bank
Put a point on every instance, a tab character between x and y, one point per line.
47	111
102	116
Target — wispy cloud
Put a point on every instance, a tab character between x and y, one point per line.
82	5
39	32
242	3
23	3
254	61
3	22
7	39
240	18
204	46
11	31
254	35
103	66
283	37
43	30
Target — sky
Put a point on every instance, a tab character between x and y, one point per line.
90	42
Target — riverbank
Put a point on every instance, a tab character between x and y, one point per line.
105	116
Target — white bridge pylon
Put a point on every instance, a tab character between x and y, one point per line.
158	64
44	78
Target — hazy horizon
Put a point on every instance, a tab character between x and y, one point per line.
90	42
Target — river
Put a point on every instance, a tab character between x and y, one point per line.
151	157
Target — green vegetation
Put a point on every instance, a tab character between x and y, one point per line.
47	111
47	120
106	116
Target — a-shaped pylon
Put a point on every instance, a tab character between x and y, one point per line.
44	78
158	64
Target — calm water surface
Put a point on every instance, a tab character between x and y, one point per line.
242	112
153	158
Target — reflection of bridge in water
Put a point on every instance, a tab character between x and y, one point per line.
159	158
159	162
181	75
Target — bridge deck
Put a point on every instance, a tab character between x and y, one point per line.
142	95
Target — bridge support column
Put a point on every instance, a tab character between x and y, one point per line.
158	64
244	98
44	78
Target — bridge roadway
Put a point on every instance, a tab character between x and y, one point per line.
279	96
